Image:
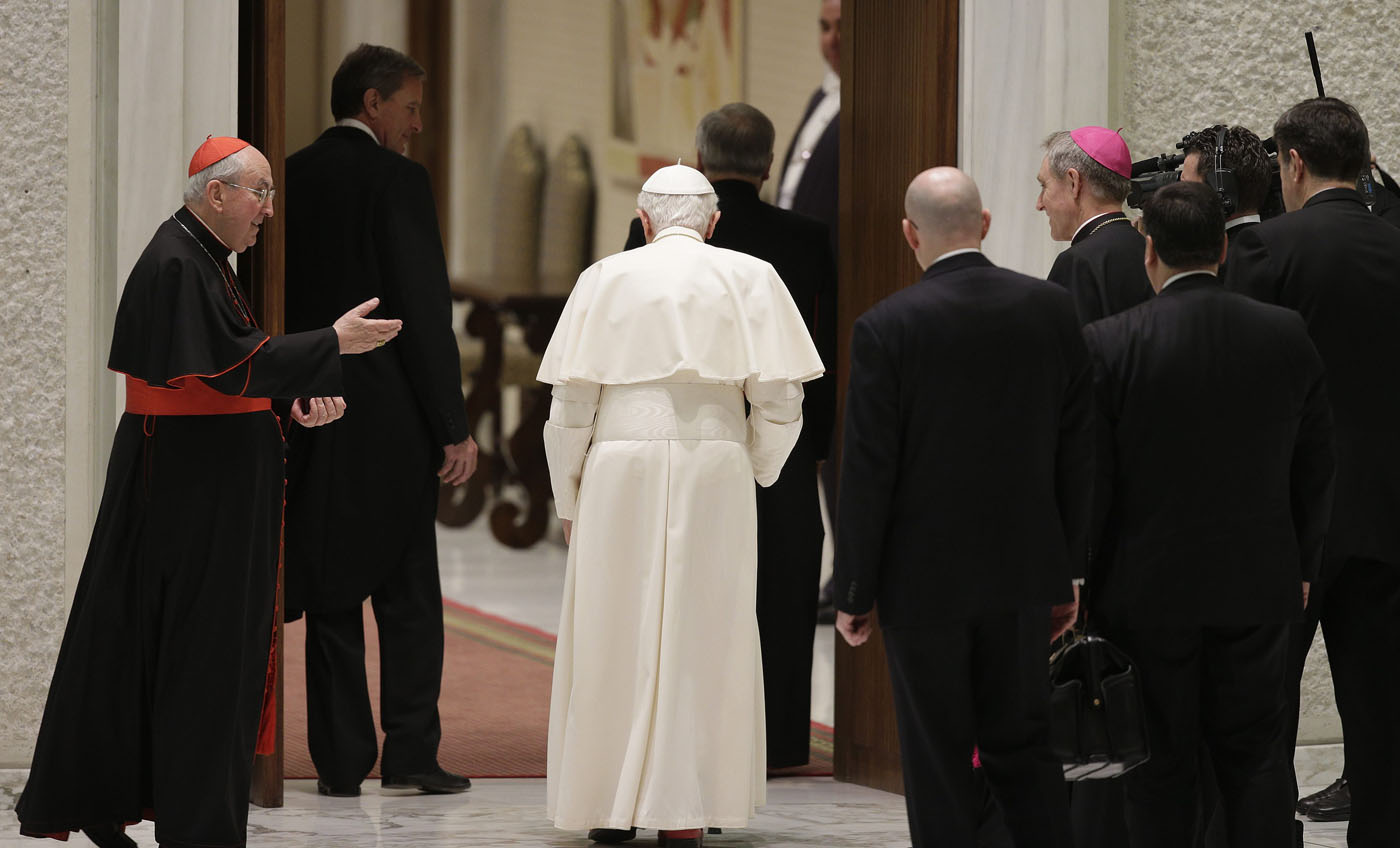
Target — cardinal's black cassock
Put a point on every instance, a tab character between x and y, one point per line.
157	699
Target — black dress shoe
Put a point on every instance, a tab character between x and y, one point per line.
1330	805
612	835
325	788
435	782
109	836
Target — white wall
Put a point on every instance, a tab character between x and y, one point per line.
1027	68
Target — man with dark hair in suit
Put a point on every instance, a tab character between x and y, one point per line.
808	182
362	499
1244	156
965	476
1338	265
734	149
1083	183
1214	469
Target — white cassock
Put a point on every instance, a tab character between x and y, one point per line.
656	716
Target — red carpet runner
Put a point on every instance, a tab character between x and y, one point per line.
495	697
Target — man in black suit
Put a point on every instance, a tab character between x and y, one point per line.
362	499
809	180
1338	265
734	149
965	476
1245	157
1214	469
1083	183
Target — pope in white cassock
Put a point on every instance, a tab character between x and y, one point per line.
656	717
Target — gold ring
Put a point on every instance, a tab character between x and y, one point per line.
379	343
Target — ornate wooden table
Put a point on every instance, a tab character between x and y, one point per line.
516	459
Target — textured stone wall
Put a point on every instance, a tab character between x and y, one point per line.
1185	64
33	241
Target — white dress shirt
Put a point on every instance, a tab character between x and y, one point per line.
808	136
352	122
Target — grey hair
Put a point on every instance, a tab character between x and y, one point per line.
692	211
1063	154
227	169
736	138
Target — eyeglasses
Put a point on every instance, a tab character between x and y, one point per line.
264	194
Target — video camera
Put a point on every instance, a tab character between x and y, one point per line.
1148	175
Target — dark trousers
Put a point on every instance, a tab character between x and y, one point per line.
1222	686
340	724
789	568
1357	602
980	682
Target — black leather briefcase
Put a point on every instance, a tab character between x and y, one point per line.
1098	726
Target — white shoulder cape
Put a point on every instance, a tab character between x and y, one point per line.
676	305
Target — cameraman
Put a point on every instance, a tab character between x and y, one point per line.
1245	156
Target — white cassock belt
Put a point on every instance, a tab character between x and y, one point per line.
671	411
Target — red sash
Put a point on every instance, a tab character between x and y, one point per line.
195	397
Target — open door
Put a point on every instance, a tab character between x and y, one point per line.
899	115
262	64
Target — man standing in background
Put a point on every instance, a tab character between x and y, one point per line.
1244	156
362	500
1338	265
808	183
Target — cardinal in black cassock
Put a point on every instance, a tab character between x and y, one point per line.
161	686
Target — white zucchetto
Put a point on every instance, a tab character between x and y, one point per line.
677	179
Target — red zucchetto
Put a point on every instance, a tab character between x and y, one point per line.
212	150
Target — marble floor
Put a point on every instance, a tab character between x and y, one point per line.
525	586
802	812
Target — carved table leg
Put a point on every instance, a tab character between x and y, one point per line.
459	506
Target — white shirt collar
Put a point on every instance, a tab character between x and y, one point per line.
1174	277
953	253
678	231
1243	219
831	83
358	124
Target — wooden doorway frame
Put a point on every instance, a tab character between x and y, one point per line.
262	75
899	116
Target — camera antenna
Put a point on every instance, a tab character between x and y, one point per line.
1317	69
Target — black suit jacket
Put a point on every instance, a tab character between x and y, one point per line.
1102	268
968	448
816	194
1215	459
360	224
1338	265
796	246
